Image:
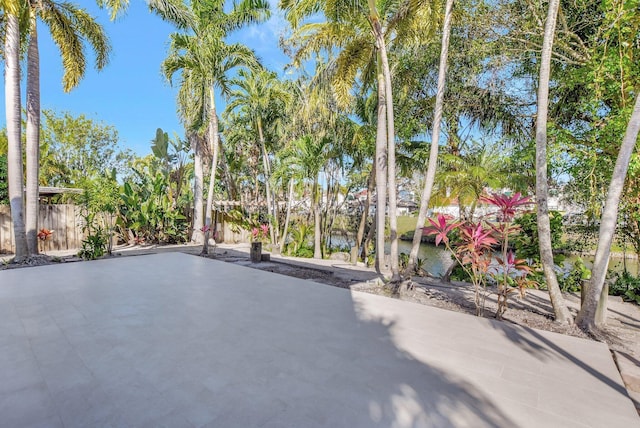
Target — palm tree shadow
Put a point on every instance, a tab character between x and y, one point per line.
544	349
404	391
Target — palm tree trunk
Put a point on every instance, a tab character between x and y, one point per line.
381	174
232	189
33	137
213	140
435	139
271	217
593	314
12	109
198	191
560	309
288	216
391	162
317	250
365	213
368	238
381	141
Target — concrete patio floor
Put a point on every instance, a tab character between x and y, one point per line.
180	341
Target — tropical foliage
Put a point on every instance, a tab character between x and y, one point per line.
482	249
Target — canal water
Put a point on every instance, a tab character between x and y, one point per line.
437	259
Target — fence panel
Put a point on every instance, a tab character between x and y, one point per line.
64	220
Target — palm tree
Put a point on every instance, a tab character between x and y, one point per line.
71	28
255	92
466	176
306	157
560	309
363	148
350	26
242	156
204	59
12	11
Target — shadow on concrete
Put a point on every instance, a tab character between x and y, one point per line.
411	393
544	349
309	355
626	316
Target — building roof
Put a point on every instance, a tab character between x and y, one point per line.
52	191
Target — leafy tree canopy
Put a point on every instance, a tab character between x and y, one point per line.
75	148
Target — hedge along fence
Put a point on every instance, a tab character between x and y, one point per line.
64	220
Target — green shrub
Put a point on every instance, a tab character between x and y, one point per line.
526	242
94	246
459	273
403	260
418	269
627	286
572	281
305	251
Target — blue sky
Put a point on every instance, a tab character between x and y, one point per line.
130	93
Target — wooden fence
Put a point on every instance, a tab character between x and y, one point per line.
63	220
66	223
228	232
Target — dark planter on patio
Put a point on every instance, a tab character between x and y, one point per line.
256	252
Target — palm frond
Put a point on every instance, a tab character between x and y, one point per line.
174	11
246	12
68	41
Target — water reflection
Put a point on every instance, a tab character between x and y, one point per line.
616	263
437	260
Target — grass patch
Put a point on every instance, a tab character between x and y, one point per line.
406	224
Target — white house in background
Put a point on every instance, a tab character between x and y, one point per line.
406	203
452	210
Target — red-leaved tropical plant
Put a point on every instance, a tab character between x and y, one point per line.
441	227
511	271
506	205
44	235
511	275
474	250
260	233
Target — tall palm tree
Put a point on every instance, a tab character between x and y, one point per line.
255	91
315	115
204	58
363	148
71	28
362	30
12	10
